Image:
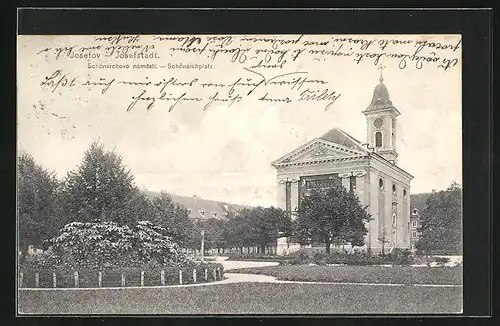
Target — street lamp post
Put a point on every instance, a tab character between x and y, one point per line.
202	244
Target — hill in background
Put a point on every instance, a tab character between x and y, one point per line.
418	201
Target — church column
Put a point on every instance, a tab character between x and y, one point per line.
345	179
360	184
282	242
294	198
281	200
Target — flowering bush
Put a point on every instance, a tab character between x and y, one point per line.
109	245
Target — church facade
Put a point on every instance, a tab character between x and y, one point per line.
369	169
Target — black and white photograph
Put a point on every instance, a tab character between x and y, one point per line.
227	174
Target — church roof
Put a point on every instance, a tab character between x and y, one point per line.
340	137
335	144
381	99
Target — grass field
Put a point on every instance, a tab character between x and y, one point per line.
360	274
246	298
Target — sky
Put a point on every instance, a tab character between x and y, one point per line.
225	153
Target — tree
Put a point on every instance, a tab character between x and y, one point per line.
441	221
101	188
232	232
175	219
383	238
271	223
37	196
331	215
214	229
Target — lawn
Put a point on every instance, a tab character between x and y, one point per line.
361	274
246	298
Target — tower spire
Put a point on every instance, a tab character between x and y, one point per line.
381	68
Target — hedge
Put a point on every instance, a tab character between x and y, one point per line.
397	257
113	277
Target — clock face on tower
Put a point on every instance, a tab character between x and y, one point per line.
378	123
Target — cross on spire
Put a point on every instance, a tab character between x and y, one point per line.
381	68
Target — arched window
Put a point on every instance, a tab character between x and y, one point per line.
404	193
394	190
378	139
381	184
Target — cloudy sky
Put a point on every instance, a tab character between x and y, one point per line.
225	153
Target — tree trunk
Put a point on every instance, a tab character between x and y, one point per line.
327	246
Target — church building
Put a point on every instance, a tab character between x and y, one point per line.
369	169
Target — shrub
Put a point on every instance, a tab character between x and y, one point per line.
441	261
397	257
301	259
400	257
257	257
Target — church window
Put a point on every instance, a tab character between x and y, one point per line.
414	223
378	139
404	193
381	184
415	211
414	234
393	219
394	190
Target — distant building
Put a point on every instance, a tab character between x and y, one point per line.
202	209
414	227
418	205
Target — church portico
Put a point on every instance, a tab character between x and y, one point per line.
369	170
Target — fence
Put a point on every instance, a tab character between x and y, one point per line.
119	278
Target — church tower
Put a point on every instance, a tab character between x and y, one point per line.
381	118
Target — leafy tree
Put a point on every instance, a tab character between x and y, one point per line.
230	232
175	219
258	226
214	229
101	188
108	244
441	221
329	215
37	196
237	231
271	223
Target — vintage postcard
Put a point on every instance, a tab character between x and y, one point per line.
239	174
